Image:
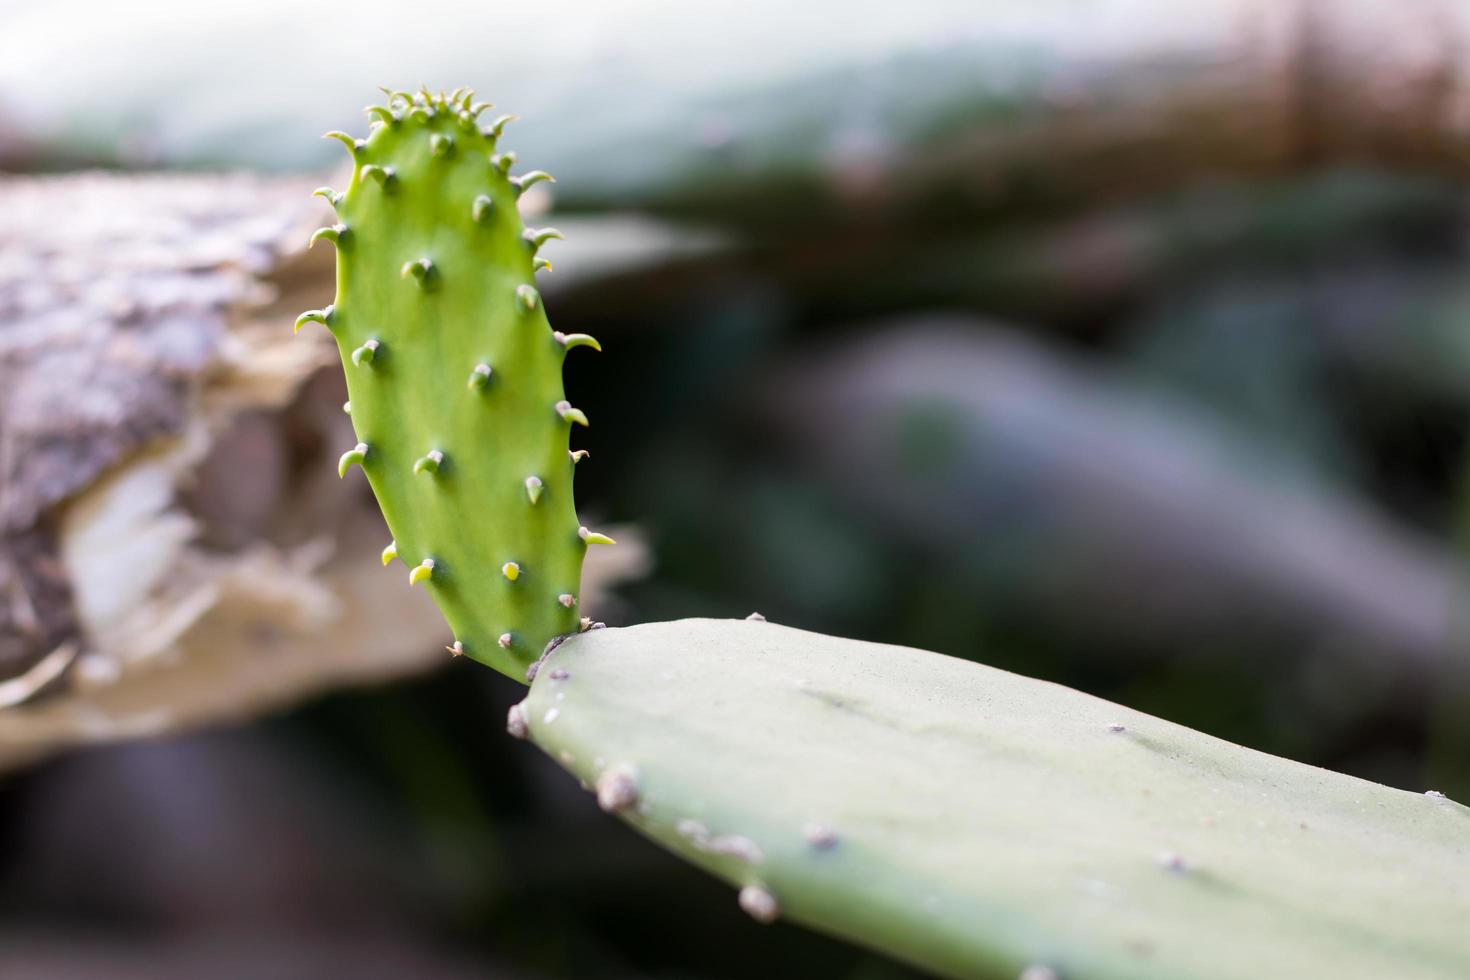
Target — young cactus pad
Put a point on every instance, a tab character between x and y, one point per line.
454	375
979	823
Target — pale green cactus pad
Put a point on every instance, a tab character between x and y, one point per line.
979	823
454	375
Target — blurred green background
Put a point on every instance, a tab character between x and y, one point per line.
907	337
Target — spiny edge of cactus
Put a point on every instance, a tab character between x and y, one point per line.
432	205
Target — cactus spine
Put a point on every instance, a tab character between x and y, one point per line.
454	375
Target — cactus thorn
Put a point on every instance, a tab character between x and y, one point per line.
516	722
440	144
536	237
567	599
497	127
1435	794
479	377
365	353
533	489
504	641
323	316
594	537
421	572
479	107
385	176
429	462
538	263
617	789
528	180
457	650
759	904
354	146
503	161
570	340
382	114
578	455
356	454
420	269
347	407
511	571
527	297
565	410
756	617
390	552
482	207
332	233
332	197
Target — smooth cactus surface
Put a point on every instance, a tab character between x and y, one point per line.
979	823
455	375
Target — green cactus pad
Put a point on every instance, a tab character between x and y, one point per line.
455	375
979	823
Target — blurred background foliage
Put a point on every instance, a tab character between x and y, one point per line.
904	340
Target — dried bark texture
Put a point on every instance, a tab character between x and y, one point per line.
113	299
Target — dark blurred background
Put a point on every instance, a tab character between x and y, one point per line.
1109	345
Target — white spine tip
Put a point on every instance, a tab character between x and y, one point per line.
759	904
1038	972
567	599
819	835
504	641
516	721
617	789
